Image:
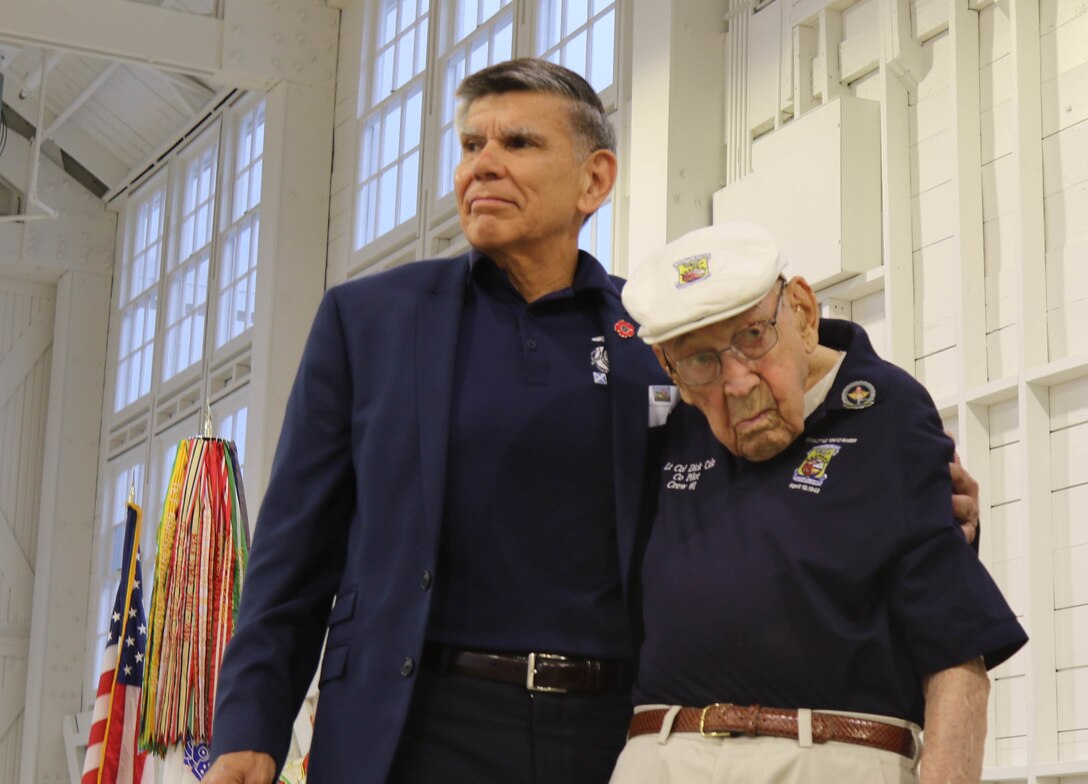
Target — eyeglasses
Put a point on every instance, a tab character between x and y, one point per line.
751	342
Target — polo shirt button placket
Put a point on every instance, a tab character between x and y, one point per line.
407	667
425	580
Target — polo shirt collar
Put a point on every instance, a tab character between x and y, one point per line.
589	275
862	378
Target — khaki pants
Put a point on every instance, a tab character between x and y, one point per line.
689	758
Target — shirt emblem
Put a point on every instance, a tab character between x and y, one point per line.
812	473
692	270
624	328
858	394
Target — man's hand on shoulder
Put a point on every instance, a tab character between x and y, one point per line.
964	498
242	767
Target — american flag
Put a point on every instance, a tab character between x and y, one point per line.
112	753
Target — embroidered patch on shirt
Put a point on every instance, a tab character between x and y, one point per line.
692	270
858	394
685	476
812	473
624	328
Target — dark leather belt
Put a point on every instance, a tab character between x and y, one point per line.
721	719
546	672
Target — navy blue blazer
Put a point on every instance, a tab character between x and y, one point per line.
353	512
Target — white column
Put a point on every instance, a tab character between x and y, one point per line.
676	155
69	482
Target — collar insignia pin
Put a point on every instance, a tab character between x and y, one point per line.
858	394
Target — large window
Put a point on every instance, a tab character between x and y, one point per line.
238	267
187	270
407	152
139	297
189	236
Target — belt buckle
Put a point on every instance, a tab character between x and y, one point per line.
530	673
713	733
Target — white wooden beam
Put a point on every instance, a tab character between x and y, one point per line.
967	195
118	29
254	46
80	99
22	357
896	213
13	693
15	568
1042	700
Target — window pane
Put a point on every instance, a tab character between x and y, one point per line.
389	190
421	46
504	42
466	20
577	14
574	54
387	201
409	187
402	48
603	52
596	235
550	25
413	120
237	277
391	136
490	44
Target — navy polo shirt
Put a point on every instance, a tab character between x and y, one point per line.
528	558
832	576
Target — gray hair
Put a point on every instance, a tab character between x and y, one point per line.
592	130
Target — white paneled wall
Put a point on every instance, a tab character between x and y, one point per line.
984	138
26	337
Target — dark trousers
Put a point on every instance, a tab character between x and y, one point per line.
466	729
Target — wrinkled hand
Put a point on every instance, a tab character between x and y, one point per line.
964	498
242	767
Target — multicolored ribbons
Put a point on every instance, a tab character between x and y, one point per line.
203	547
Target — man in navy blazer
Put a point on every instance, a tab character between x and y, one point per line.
462	469
460	487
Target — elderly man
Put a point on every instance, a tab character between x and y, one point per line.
809	602
463	468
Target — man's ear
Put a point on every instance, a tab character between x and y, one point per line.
600	175
662	361
806	310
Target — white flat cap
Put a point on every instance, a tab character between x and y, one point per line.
706	276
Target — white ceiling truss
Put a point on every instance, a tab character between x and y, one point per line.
123	79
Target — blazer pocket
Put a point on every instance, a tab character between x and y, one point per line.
332	666
343	610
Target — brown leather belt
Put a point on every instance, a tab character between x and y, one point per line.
542	672
722	719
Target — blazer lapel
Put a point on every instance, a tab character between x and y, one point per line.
629	378
438	321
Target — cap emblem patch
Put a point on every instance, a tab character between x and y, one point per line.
858	394
692	270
